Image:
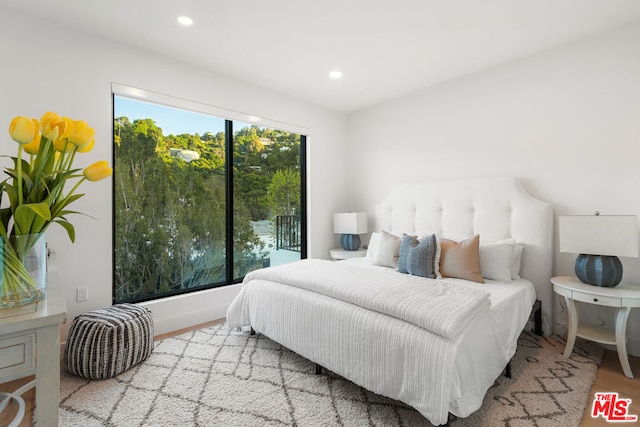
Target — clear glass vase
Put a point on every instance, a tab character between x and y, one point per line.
23	275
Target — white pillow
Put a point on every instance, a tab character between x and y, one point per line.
516	260
437	258
388	252
374	246
496	260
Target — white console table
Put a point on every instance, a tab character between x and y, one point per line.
623	297
30	345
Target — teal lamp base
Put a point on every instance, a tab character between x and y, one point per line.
599	270
350	242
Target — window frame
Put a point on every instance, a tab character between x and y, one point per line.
229	116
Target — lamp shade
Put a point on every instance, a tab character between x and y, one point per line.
599	239
350	223
614	235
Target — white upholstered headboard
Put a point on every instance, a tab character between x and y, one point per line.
496	208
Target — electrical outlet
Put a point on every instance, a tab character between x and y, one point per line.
82	294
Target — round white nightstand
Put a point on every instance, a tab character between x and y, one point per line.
339	253
623	297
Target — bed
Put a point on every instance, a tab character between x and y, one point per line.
435	344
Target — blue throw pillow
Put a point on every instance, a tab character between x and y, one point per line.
407	243
417	257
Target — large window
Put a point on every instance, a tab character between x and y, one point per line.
200	200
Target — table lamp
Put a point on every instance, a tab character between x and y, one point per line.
599	240
350	225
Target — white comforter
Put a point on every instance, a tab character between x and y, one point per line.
387	332
435	306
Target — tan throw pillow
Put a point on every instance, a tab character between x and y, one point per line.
461	259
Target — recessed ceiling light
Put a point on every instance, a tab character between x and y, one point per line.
185	20
335	75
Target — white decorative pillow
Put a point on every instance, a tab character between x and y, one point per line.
516	260
496	260
388	250
374	246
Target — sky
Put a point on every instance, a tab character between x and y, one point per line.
170	120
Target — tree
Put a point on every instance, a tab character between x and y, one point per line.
283	193
170	226
170	229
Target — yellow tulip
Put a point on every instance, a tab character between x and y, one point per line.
87	147
68	127
82	134
61	145
97	171
37	185
33	147
23	129
52	126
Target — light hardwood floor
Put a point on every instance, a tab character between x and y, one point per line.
609	378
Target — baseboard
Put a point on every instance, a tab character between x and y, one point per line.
184	311
546	324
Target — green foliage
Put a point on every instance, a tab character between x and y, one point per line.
283	193
170	213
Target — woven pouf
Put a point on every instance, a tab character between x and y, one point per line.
103	343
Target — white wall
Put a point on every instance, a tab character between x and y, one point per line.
566	121
46	67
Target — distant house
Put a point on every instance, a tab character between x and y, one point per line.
186	155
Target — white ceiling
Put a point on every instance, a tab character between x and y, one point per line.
385	49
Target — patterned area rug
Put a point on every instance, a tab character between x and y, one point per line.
215	376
